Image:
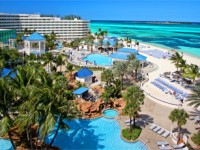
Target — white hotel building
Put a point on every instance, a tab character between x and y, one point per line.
64	29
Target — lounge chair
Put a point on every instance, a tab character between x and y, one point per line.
161	131
153	126
178	146
162	143
127	121
157	129
184	148
166	134
165	147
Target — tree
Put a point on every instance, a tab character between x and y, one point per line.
119	70
192	72
131	57
115	46
106	95
196	138
134	65
70	69
50	41
179	116
107	76
59	61
71	17
176	59
6	106
107	45
134	97
56	107
48	60
194	98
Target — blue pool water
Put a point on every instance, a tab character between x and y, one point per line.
110	113
5	145
99	60
100	133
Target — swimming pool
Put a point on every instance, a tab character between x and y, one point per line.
99	60
5	144
110	113
100	133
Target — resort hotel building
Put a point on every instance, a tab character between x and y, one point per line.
65	30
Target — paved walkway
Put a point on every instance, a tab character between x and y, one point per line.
157	113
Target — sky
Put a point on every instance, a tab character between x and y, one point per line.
133	10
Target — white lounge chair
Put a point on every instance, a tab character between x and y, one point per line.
184	148
166	134
127	121
162	143
165	147
161	131
157	129
153	126
178	146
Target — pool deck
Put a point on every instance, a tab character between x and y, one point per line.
153	112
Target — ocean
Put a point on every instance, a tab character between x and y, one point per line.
182	37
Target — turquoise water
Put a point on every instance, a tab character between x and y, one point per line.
95	134
110	113
98	59
5	145
181	37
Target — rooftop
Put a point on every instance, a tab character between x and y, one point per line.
35	37
80	90
84	72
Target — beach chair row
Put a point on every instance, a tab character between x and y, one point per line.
164	145
173	88
159	130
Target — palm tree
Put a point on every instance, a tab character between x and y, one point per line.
194	98
70	69
192	72
179	116
182	65
101	43
131	57
134	65
6	105
56	105
28	115
176	59
106	95
59	61
107	76
115	46
48	59
134	97
119	70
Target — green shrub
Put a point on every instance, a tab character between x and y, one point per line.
196	138
131	135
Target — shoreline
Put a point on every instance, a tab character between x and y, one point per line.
190	59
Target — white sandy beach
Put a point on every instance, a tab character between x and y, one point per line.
189	58
165	65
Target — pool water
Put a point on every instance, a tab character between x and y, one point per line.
100	133
110	113
5	145
99	60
